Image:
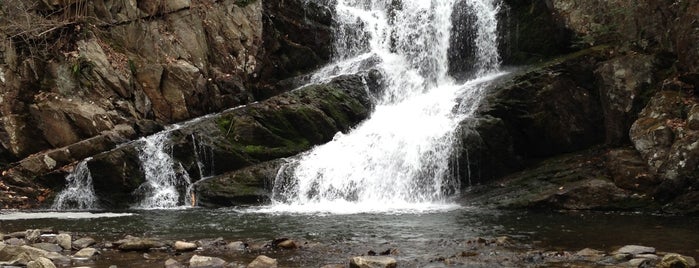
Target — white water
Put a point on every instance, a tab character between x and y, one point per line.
165	178
79	193
402	157
59	215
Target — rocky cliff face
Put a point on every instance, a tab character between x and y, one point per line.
79	77
610	127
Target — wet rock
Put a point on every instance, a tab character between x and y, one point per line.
333	266
635	250
673	260
373	262
622	81
41	262
640	262
86	253
204	261
171	263
185	246
58	258
284	243
48	247
16	235
65	241
236	245
263	261
83	243
33	235
138	244
15	242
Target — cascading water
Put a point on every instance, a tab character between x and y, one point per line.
165	178
400	157
79	193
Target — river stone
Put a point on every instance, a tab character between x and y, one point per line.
205	261
172	263
41	262
263	261
639	262
58	258
34	252
185	246
236	245
674	260
635	250
15	242
48	247
333	266
33	235
138	244
373	262
83	243
16	235
86	253
285	243
64	240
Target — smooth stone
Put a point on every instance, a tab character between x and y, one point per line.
287	244
48	247
17	235
57	257
185	246
236	245
204	261
65	241
21	259
648	256
41	262
263	261
15	242
34	252
588	252
83	243
373	262
138	244
172	263
333	266
86	253
635	250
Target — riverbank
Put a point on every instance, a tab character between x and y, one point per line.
457	237
47	248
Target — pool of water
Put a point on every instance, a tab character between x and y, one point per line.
419	237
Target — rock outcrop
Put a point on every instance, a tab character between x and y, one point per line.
83	77
625	110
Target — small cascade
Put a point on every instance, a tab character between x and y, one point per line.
165	177
79	193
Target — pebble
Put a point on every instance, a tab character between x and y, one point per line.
263	261
185	246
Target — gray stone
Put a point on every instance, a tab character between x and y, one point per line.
83	243
34	252
185	246
48	247
15	242
263	261
41	262
635	250
205	261
86	253
373	262
65	241
58	258
639	262
171	263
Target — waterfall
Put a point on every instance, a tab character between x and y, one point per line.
165	177
402	156
79	193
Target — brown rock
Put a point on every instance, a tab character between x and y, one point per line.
263	261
